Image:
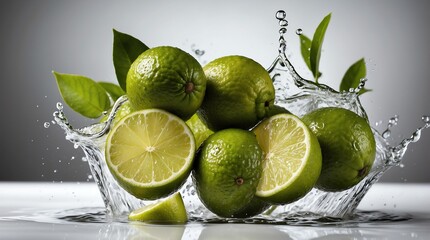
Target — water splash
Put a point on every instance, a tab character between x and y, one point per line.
397	152
391	123
293	92
283	23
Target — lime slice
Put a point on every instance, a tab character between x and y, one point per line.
150	153
170	210
292	159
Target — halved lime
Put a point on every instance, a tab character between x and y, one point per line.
292	159
150	153
170	210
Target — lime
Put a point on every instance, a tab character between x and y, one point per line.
255	207
292	159
150	153
122	111
347	145
239	93
170	210
199	129
276	109
167	78
228	168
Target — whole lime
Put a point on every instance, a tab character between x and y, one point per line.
166	78
239	93
347	144
227	171
276	109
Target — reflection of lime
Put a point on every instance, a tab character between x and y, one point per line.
292	161
170	210
248	232
228	168
150	153
347	145
199	129
138	231
166	78
239	93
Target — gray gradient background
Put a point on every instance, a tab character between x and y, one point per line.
76	37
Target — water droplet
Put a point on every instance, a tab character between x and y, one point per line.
394	120
90	176
59	160
72	158
426	119
199	52
281	14
59	106
84	159
386	134
283	23
282	31
299	31
46	124
356	145
55	171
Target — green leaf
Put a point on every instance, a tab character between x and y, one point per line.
316	46
113	90
353	76
125	50
83	94
305	47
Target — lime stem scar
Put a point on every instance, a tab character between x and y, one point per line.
189	87
239	181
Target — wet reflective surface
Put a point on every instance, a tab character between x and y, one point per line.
75	211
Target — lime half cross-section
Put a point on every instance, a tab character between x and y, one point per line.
150	153
292	159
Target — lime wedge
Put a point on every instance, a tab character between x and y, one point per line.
292	159
150	153
199	129
168	211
